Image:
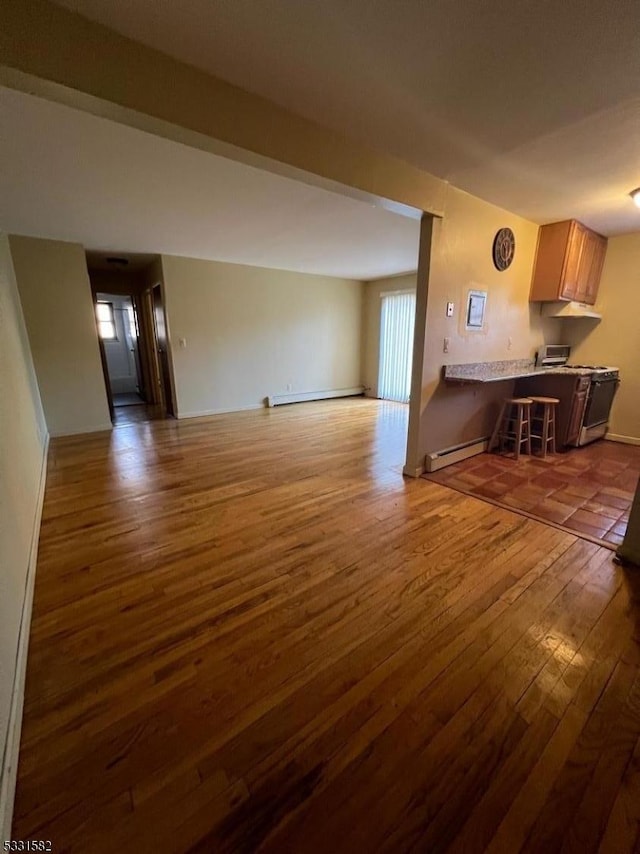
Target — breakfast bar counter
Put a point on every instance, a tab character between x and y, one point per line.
492	372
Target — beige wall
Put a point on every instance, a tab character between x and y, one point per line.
461	260
615	340
56	299
24	433
250	332
371	325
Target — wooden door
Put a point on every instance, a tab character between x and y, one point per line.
162	347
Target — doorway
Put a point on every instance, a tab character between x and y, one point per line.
119	332
397	317
132	334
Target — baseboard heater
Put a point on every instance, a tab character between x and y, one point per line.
448	456
300	397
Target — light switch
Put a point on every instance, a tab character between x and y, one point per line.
183	343
449	309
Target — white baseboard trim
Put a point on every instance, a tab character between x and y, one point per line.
9	770
411	471
98	428
448	456
302	396
625	440
204	412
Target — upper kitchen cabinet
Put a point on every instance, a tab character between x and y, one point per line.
568	263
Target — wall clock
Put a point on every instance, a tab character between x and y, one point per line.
504	247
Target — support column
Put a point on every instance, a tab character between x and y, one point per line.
414	463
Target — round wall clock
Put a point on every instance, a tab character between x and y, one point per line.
504	247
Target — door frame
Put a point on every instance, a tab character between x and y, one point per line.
165	379
148	393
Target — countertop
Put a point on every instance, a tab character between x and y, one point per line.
493	372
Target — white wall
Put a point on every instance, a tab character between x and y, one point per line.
250	332
58	309
371	305
615	340
23	437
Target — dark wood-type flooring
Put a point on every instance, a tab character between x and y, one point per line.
588	490
136	413
250	633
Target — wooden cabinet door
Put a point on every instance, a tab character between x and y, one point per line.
569	284
594	273
569	259
585	264
577	412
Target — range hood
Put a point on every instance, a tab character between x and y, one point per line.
569	309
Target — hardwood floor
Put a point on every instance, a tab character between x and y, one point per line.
251	633
136	413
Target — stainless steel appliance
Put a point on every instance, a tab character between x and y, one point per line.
604	384
585	396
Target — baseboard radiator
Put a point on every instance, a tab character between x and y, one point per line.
302	396
448	456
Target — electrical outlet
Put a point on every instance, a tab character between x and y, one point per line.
289	387
509	343
445	346
183	343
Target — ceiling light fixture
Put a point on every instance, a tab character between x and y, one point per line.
635	195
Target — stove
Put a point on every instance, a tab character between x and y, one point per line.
599	371
591	399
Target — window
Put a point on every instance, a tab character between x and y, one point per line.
133	326
106	322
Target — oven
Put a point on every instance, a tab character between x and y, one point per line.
599	400
585	394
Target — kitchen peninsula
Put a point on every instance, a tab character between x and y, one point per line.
585	392
510	369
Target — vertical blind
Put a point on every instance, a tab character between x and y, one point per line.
396	346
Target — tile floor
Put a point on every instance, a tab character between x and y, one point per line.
587	490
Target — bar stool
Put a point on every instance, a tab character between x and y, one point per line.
513	425
544	416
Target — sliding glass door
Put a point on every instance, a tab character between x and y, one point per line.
396	346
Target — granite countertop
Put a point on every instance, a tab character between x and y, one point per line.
493	372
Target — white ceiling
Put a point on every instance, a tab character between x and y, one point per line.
534	106
68	175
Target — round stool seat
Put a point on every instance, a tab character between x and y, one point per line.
524	401
550	400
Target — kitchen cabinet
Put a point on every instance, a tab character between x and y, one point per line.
578	405
572	392
594	249
568	263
